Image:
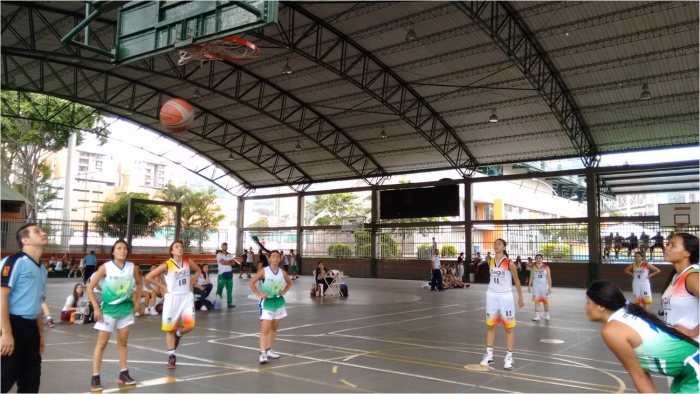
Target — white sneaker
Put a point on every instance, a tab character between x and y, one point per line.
508	363
153	312
546	316
536	318
137	314
271	354
203	308
486	361
263	358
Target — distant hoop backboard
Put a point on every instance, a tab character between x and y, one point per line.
673	215
352	224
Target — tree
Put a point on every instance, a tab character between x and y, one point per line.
45	191
27	139
200	214
329	209
262	222
564	232
111	221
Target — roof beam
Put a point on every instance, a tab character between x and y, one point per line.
660	174
234	138
511	34
369	74
653	183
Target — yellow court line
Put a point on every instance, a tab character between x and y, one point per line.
335	369
348	383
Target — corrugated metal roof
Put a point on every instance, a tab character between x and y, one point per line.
604	52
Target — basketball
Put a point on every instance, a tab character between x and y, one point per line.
159	308
176	115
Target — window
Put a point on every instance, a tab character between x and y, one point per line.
84	154
82	168
83	161
98	164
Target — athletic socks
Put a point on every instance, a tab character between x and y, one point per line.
178	333
171	352
489	351
509	354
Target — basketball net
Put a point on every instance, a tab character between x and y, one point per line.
232	49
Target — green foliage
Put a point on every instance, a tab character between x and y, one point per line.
556	251
564	232
33	126
387	244
112	220
329	209
262	222
339	250
200	214
425	251
448	251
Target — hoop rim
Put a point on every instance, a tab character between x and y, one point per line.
235	40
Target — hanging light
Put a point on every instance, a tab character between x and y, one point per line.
230	156
129	112
493	118
411	35
298	147
645	92
383	134
196	93
286	70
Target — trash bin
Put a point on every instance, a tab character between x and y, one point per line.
472	278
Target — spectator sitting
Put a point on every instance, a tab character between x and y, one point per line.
52	262
453	269
153	293
73	302
59	266
75	268
320	275
203	286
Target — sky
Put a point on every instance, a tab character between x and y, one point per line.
133	141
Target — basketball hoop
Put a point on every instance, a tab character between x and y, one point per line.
232	49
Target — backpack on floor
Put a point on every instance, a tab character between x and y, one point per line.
343	290
315	290
82	314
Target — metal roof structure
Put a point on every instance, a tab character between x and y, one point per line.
564	79
681	178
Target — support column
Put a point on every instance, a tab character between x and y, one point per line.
374	219
240	217
468	219
300	219
130	214
593	233
67	191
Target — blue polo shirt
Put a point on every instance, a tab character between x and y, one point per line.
90	259
27	279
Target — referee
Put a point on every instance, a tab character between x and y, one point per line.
23	280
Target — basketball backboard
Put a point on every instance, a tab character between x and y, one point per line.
148	28
671	215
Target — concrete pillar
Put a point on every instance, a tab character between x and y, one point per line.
67	189
468	223
592	205
240	217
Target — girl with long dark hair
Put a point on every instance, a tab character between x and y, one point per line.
115	311
680	299
73	302
642	342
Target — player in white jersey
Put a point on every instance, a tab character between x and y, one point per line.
272	310
680	300
541	286
500	307
178	301
641	271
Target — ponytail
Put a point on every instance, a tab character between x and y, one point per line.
610	297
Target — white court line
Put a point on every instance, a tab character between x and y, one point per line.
373	368
370	317
561	328
404	321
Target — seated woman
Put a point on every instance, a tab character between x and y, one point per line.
153	293
59	266
643	343
321	276
203	286
73	302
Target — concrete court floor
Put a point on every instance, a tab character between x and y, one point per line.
387	336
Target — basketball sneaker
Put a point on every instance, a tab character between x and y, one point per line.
508	362
153	312
49	323
263	358
536	318
546	316
171	361
95	383
124	379
487	360
271	354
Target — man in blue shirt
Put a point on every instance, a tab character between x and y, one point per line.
22	286
90	261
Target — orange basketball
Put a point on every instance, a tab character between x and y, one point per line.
176	115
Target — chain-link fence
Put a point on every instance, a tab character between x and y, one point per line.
620	240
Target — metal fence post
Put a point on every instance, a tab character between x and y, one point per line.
85	236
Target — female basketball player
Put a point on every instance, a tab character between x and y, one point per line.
115	310
680	300
642	342
541	281
499	303
272	309
178	301
641	288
